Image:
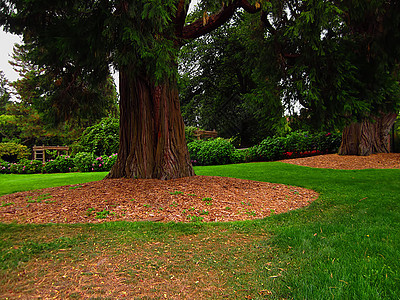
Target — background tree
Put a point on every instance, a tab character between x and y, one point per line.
7	129
340	59
53	109
225	89
141	39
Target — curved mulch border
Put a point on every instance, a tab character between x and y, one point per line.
210	199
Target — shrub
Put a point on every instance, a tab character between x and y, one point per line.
5	167
83	161
62	164
271	149
189	133
295	144
12	152
88	162
26	166
211	152
110	161
100	139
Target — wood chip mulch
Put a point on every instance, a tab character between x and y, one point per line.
197	198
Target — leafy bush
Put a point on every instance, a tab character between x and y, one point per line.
295	144
62	164
26	166
104	163
12	152
211	152
100	139
88	162
83	161
189	133
5	167
271	148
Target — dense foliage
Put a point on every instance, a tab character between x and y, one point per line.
212	152
100	139
224	90
82	162
11	152
294	145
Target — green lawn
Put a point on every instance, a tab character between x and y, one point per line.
345	245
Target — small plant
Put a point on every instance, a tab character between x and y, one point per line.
204	212
196	219
89	211
39	199
228	208
102	214
146	205
75	187
251	213
174	204
206	199
272	212
49	201
193	195
176	193
4	204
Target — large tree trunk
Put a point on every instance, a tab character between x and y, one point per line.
368	137
152	134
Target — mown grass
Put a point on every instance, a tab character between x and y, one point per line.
12	183
345	245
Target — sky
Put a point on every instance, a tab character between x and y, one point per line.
7	42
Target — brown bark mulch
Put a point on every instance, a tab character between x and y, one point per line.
197	198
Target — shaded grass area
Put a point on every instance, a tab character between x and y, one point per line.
13	183
345	245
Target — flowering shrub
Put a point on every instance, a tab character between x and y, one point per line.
88	162
24	166
5	167
84	161
62	164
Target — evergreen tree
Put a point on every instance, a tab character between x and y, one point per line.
55	109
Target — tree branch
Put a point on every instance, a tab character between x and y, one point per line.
180	17
207	24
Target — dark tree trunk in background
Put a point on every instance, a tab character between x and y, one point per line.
152	134
368	137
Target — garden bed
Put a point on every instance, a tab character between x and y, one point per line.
197	198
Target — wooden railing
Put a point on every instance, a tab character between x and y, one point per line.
39	152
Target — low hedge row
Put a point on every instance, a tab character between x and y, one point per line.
297	144
83	162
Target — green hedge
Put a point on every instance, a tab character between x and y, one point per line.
296	144
212	152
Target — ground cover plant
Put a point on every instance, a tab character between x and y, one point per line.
345	245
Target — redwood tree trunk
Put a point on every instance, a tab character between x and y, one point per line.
368	137
152	134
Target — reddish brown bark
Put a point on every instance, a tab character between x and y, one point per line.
152	135
368	137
